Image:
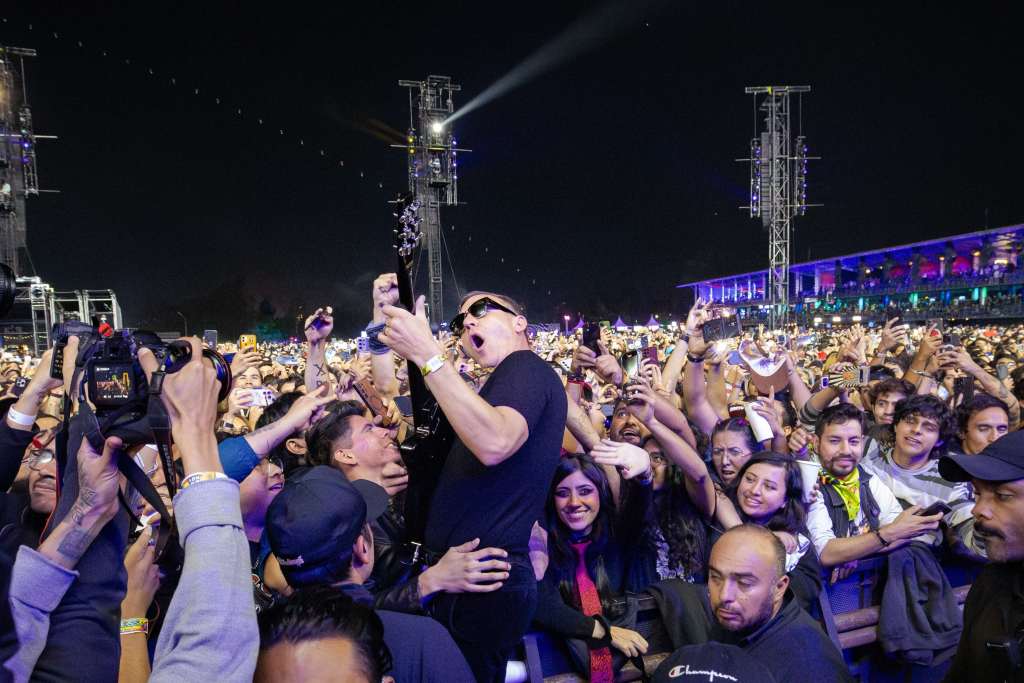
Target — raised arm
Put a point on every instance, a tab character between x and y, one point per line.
385	293
694	387
698	481
491	433
992	386
318	331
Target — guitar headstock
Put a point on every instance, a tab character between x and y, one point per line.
407	229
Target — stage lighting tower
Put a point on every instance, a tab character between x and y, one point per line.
778	185
433	172
18	177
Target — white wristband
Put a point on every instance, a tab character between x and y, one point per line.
20	418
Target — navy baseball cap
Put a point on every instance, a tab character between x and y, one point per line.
711	661
315	520
1002	460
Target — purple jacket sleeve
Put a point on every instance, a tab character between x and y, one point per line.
37	587
210	631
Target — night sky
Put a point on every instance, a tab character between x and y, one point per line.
607	180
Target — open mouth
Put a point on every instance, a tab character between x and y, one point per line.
913	442
477	341
629	433
276	487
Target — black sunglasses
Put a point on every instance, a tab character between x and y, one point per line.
478	309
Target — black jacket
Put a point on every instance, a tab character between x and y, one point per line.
993	613
792	647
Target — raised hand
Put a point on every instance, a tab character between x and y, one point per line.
894	333
607	366
409	335
632	461
319	325
143	576
385	291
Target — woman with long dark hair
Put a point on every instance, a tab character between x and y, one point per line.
769	492
676	531
591	551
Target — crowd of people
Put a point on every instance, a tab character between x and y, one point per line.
264	519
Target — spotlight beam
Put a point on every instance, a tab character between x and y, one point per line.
583	35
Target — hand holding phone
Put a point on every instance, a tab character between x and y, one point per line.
934	509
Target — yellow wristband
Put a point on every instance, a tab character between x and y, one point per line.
197	477
433	364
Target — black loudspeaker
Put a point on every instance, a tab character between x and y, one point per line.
7	289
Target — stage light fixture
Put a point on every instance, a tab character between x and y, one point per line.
436	127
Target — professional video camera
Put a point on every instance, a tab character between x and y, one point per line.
112	378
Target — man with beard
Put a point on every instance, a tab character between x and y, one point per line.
856	515
753	608
990	647
495	478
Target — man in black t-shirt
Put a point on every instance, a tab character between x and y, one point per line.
499	469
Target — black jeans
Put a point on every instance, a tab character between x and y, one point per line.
488	626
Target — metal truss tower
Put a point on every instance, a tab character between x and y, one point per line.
433	172
778	186
18	177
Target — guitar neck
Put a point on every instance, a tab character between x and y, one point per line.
417	385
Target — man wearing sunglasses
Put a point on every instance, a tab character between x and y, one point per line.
495	478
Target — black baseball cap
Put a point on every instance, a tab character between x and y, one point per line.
711	661
315	520
1002	460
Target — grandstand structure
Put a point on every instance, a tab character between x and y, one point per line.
972	276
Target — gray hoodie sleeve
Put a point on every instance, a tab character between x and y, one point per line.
37	587
210	631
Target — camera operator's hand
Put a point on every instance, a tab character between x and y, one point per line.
190	397
143	576
606	366
317	334
38	388
98	484
409	335
385	293
632	461
245	360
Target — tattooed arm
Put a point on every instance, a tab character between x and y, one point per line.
40	578
318	331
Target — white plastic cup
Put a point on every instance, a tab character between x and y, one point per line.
809	471
762	430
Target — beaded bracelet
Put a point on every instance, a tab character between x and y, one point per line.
135	626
